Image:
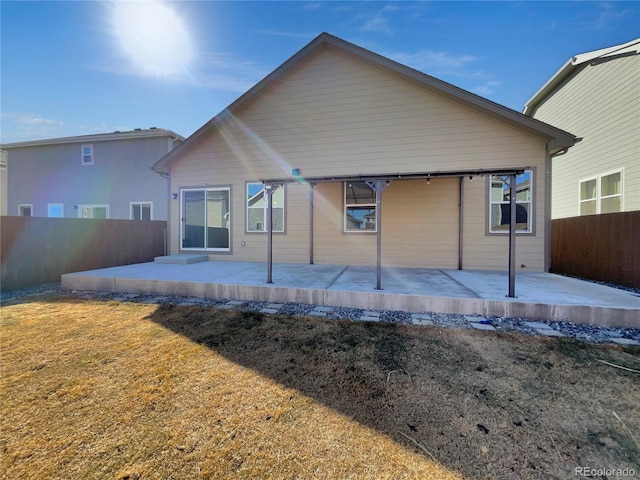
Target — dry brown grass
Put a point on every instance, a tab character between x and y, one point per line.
119	390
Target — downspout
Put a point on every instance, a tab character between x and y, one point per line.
548	170
167	246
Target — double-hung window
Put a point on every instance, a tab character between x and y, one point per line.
257	208
601	194
141	210
359	207
87	155
500	203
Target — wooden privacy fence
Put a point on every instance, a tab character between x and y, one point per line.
598	247
37	250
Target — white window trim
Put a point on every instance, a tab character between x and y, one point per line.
264	208
346	205
49	205
531	214
82	162
20	205
598	198
80	207
206	189
131	204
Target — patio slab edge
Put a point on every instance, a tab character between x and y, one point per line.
584	314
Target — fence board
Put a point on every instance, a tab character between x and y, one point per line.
598	247
35	250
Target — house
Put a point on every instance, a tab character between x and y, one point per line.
90	176
3	182
595	95
367	162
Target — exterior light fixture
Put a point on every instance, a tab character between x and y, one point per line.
174	195
470	178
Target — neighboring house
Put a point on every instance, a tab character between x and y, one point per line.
595	95
3	182
90	176
334	117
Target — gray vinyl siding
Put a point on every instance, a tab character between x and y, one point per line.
599	102
334	115
120	174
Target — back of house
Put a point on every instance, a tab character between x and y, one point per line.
595	95
322	130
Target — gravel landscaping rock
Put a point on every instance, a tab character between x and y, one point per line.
583	332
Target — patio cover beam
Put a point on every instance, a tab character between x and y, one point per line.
394	176
388	177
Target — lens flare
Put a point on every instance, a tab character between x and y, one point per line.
153	37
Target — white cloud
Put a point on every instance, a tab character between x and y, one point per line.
18	127
376	23
312	6
221	71
31	120
487	88
436	62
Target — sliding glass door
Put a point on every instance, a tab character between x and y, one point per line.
205	219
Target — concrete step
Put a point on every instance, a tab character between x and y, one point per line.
184	259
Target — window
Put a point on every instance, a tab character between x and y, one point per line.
601	194
55	210
500	203
257	208
93	211
141	210
359	207
25	210
87	154
206	219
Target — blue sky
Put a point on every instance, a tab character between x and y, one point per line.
75	68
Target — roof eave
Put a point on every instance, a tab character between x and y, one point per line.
101	137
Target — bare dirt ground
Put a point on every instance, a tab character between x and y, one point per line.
96	389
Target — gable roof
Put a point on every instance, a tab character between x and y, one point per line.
558	139
100	137
617	51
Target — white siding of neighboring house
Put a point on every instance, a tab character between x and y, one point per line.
599	102
334	115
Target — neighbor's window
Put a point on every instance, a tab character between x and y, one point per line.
257	208
87	154
25	210
55	210
602	194
359	207
93	211
500	203
141	210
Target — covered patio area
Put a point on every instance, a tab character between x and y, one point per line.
541	296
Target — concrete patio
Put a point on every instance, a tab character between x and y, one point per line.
540	296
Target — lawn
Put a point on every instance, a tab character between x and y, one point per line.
103	389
